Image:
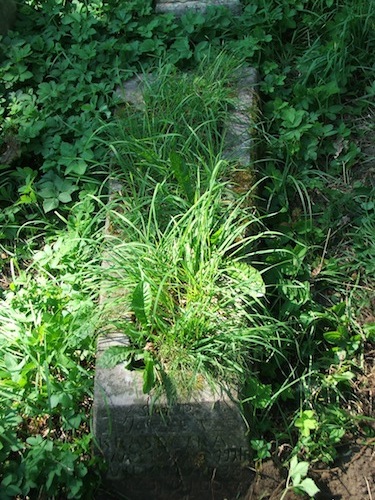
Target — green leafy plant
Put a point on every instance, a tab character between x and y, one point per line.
179	122
262	449
190	289
46	345
297	480
307	246
55	190
306	423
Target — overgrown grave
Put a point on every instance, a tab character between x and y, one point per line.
197	444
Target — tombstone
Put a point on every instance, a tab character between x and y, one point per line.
196	448
179	7
238	146
238	138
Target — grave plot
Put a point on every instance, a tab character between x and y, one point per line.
162	435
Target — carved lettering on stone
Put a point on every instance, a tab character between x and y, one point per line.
168	444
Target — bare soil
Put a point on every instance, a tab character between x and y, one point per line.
352	476
352	479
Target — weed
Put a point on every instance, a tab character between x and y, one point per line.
180	123
262	449
46	343
297	480
281	285
189	289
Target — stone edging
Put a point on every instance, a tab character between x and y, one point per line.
179	7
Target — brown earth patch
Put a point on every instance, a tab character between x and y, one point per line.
352	476
352	479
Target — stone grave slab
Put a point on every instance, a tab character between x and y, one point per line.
237	130
180	7
197	448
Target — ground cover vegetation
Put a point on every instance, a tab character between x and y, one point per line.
284	276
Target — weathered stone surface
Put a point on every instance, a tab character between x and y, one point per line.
238	138
159	450
179	7
131	91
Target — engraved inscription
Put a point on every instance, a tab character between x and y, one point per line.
189	437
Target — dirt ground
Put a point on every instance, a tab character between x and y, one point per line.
352	477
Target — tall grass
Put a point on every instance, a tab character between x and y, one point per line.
191	296
179	125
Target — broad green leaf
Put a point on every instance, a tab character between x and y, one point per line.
258	394
180	49
148	376
11	362
299	470
293	462
142	302
336	434
309	487
369	330
60	398
67	149
306	422
48	190
12	491
261	447
54	400
342	339
77	166
50	204
75	421
25	75
35	440
246	279
333	337
65	197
